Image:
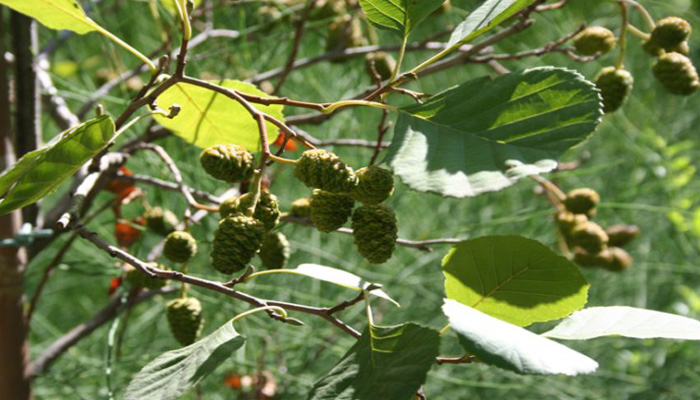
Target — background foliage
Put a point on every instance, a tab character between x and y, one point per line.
641	163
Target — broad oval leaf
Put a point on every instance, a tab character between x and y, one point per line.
385	363
486	134
401	16
336	276
490	14
175	372
513	278
55	14
41	171
625	321
207	118
510	347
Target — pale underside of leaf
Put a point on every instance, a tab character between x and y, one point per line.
631	322
490	14
510	347
515	279
54	14
486	134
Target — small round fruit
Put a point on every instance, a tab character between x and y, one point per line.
677	74
228	162
620	260
621	235
237	239
323	170
586	259
179	246
160	221
330	211
383	63
615	85
267	210
301	208
593	40
374	185
185	319
274	252
582	201
139	279
375	231
590	237
567	221
671	32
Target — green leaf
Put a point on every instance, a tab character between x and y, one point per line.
172	9
335	276
174	373
385	363
510	347
208	118
486	134
55	14
625	321
490	14
41	171
401	16
513	278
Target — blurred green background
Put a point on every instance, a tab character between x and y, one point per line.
642	162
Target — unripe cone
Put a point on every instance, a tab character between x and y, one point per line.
375	231
139	279
582	201
179	246
671	32
677	74
374	185
323	170
383	62
330	211
615	85
236	241
590	237
620	260
160	221
267	209
586	259
621	235
228	162
594	39
656	50
301	208
344	32
568	221
274	252
185	319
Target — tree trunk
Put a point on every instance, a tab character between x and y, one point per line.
14	383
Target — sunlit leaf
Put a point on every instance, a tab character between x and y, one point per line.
401	16
490	14
208	118
513	278
40	172
55	14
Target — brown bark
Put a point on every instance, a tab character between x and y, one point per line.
14	384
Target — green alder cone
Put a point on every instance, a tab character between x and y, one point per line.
590	237
343	33
274	252
185	319
677	74
375	230
330	211
139	279
179	247
384	64
374	185
237	239
621	235
228	162
671	32
267	210
568	221
301	208
615	85
160	221
620	260
320	169
582	201
593	40
656	50
327	8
